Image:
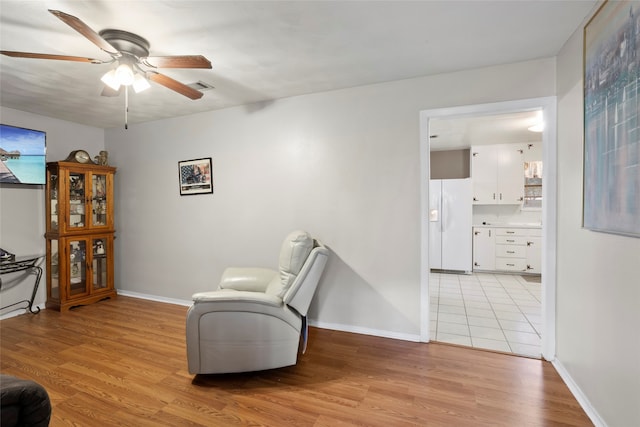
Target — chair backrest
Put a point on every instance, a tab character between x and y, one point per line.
294	251
301	291
302	260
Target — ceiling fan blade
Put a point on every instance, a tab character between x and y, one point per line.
174	85
182	61
48	56
86	31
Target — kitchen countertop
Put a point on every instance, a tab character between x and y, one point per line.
509	225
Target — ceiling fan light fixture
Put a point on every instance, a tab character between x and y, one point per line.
140	83
111	80
124	74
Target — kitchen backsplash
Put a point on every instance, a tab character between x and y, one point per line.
505	214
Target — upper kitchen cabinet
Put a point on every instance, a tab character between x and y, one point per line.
497	172
533	177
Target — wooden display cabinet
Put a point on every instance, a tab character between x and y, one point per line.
80	234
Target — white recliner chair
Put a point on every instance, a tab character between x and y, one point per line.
257	316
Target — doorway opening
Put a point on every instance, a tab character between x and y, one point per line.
475	303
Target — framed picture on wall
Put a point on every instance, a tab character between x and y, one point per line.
611	119
195	176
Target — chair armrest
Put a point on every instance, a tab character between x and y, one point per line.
230	295
247	279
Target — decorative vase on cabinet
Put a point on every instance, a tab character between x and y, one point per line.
80	233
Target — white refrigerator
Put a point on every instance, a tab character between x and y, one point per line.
450	224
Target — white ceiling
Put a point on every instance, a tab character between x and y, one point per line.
266	50
457	133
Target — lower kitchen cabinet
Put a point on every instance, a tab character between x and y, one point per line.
534	251
510	249
484	249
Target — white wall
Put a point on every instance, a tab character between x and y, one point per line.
343	164
598	290
22	222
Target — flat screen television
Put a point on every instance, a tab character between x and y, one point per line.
22	155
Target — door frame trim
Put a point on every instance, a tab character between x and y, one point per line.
548	105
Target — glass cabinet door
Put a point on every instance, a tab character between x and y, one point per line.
53	202
77	267
76	200
99	266
54	270
99	200
532	185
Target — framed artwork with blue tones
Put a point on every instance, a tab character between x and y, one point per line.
611	119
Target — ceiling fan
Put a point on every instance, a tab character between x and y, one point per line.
131	53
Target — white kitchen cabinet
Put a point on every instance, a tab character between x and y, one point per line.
484	249
483	172
450	224
534	251
509	249
497	173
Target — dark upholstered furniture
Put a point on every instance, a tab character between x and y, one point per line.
23	403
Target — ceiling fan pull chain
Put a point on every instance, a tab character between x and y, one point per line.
126	107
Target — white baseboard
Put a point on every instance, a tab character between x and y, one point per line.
578	394
322	325
20	311
365	331
156	298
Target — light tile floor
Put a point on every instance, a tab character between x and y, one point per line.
491	311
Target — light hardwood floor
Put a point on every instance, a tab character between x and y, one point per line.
123	362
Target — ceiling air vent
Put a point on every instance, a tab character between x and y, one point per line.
201	86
